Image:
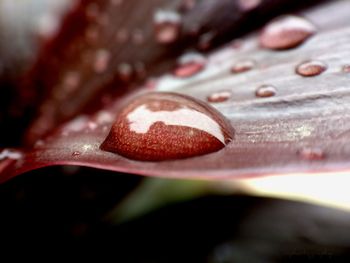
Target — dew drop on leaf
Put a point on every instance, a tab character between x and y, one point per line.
71	81
286	32
242	66
138	37
205	41
10	154
346	68
151	84
92	11
103	20
140	69
116	2
39	143
76	153
167	26
102	59
236	44
189	65
125	72
161	126
220	96
92	34
265	91
312	153
122	35
187	5
311	68
247	5
92	125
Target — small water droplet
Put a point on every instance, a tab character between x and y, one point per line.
102	59
151	84
10	154
92	34
125	72
122	35
265	91
205	41
312	153
92	125
103	117
137	37
163	126
193	30
219	96
167	26
242	66
311	68
103	19
75	125
346	68
187	5
117	2
76	153
236	44
39	143
71	81
140	69
248	5
47	26
189	64
92	11
286	32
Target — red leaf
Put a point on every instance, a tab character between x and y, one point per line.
303	128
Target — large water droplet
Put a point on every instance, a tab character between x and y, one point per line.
219	96
311	68
286	32
265	91
242	66
163	126
167	26
189	64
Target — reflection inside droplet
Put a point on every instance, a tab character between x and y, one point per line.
142	118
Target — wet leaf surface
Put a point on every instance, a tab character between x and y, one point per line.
107	37
272	133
